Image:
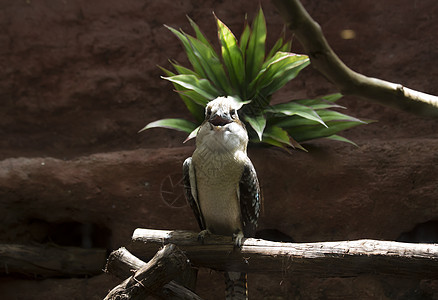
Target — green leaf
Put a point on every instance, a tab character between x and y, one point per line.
294	108
199	35
286	73
232	56
278	70
275	48
341	139
191	82
195	97
211	64
182	70
332	97
189	51
177	124
304	133
255	53
286	47
318	104
192	134
325	114
204	60
244	38
193	104
278	134
258	123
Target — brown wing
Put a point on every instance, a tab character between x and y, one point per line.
249	190
189	180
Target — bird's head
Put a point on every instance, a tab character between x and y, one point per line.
222	124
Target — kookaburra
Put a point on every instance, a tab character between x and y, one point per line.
221	184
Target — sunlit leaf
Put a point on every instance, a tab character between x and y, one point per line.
195	107
201	86
177	124
293	108
255	53
192	134
280	69
258	123
232	56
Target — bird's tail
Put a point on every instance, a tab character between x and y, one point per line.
236	288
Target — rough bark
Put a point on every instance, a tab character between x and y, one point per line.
349	82
153	277
324	259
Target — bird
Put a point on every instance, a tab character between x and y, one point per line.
221	183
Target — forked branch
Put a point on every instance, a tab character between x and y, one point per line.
349	82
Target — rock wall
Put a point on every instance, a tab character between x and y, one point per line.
79	79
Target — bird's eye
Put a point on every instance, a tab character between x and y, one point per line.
233	112
208	111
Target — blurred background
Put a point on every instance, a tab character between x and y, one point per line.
79	79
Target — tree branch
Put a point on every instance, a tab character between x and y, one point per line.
123	264
349	82
325	259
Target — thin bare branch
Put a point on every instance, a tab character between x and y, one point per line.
349	82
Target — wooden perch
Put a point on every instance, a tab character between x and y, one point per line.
152	278
324	259
349	82
49	261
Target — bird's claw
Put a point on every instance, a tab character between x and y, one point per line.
203	234
238	239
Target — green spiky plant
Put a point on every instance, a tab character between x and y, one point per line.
246	72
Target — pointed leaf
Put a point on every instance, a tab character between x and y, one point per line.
319	103
232	56
195	97
258	123
244	38
332	97
199	35
191	82
177	124
304	133
194	60
286	47
279	45
255	53
284	75
341	139
211	64
192	134
294	108
195	107
183	70
278	134
278	70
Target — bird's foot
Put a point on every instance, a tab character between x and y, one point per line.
203	234
238	239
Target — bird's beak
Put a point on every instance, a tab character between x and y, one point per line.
220	120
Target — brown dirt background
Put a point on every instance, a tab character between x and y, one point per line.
79	78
